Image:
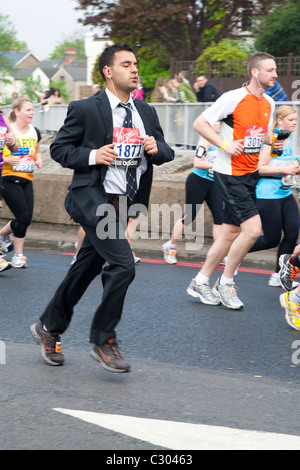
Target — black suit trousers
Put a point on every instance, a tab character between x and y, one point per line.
113	258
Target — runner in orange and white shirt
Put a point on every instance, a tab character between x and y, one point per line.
246	116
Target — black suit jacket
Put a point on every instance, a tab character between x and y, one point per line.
88	125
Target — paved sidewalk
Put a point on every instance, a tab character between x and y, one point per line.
147	249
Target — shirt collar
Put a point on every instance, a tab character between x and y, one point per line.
115	101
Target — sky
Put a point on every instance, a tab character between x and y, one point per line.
43	24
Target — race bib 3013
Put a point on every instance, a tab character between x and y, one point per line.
254	139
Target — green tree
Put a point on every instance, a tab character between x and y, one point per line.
61	85
96	76
28	84
60	49
278	32
8	36
183	27
228	53
153	61
8	42
149	71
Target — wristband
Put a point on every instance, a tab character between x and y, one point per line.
224	145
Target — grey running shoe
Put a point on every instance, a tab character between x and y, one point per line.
110	357
228	295
19	261
9	245
202	292
3	247
4	265
287	272
50	344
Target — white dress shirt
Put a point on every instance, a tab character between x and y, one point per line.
115	179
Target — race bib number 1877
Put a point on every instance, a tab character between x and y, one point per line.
128	145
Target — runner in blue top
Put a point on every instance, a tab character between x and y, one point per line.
277	206
200	187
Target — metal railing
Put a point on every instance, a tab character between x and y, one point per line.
286	66
176	121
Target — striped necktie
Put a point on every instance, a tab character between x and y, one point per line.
131	183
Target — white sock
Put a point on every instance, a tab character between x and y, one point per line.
225	280
201	279
295	297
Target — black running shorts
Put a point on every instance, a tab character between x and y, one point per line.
238	194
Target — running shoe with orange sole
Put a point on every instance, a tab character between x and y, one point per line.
287	272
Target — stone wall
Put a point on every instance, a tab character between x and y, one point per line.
51	186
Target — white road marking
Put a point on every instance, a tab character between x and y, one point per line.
186	436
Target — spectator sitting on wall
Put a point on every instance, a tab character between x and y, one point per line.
206	90
170	92
184	75
277	92
185	91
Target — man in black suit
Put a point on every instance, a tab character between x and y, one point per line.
105	143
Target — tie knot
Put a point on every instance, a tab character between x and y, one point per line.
127	106
128	118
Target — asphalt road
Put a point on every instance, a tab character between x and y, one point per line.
191	363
